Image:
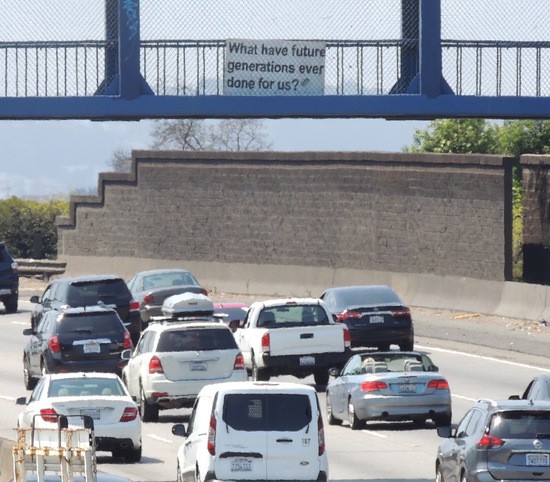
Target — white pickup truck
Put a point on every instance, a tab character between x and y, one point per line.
295	336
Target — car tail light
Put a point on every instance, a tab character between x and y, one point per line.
266	343
321	435
204	292
127	341
347	338
439	384
155	365
48	415
134	306
130	413
489	442
373	386
239	362
149	299
211	445
401	312
348	315
55	346
14	267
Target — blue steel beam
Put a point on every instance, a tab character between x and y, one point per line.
378	106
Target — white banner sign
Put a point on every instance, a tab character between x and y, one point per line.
274	67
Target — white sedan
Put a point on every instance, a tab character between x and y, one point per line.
101	396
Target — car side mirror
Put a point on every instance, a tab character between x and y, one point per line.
28	332
334	372
179	430
126	354
35	299
334	317
433	368
21	401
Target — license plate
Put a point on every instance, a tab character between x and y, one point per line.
307	360
91	412
92	347
198	366
376	319
538	459
407	388
241	465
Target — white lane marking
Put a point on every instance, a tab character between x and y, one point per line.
20	323
481	357
11	399
461	397
370	432
160	439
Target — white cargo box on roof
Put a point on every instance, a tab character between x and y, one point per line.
191	304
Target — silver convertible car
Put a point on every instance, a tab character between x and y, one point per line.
390	386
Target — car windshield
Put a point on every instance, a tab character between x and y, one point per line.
196	339
162	280
520	424
85	386
368	296
88	293
292	315
281	412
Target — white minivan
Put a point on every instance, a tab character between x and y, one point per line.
253	431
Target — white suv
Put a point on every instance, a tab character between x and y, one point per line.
253	431
173	360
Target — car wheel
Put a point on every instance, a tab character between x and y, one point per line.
384	347
11	304
30	381
330	418
43	368
132	455
438	475
117	453
354	422
419	420
321	378
149	412
259	374
443	420
463	477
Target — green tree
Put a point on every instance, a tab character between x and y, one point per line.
24	223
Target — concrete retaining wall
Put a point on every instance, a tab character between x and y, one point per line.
6	460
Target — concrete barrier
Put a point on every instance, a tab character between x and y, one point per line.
516	300
6	459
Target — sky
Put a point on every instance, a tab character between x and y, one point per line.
48	159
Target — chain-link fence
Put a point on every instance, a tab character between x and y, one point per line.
267	47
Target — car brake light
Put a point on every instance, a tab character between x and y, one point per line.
55	346
347	338
127	340
155	366
348	315
489	442
130	413
373	386
239	362
266	343
321	435
134	306
211	445
402	312
149	299
48	415
439	384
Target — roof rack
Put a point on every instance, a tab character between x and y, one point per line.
184	318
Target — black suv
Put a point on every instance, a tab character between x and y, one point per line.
109	290
73	340
497	440
9	280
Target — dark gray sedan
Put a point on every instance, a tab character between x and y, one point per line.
151	288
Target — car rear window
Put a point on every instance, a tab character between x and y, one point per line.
367	297
196	339
96	324
520	424
292	315
68	387
87	293
252	412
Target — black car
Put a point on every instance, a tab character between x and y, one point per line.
9	280
109	290
74	340
374	315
